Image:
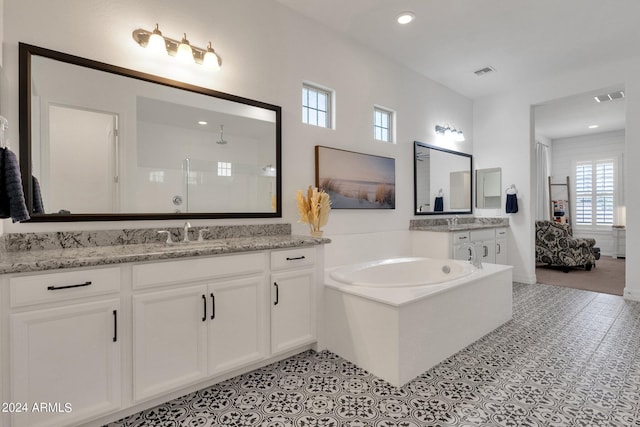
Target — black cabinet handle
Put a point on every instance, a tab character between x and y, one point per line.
55	288
295	258
115	325
277	293
213	306
499	249
204	315
486	251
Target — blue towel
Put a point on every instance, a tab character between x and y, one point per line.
438	206
512	203
38	207
12	203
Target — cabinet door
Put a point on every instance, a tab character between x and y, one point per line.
502	256
237	323
67	358
293	321
461	252
487	251
170	339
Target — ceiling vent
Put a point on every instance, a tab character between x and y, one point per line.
483	71
609	96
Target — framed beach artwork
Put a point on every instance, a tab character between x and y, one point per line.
356	180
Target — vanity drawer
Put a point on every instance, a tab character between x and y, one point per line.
483	234
501	233
51	287
460	237
291	258
190	270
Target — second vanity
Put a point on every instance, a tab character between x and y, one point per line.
435	238
91	334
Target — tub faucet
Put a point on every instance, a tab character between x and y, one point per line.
474	258
187	226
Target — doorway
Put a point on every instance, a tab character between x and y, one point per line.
88	140
580	140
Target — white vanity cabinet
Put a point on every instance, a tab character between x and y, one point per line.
502	255
491	244
293	306
94	344
211	319
65	346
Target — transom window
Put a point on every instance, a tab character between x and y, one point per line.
316	106
382	124
595	187
224	168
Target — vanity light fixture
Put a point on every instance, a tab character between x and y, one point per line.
450	133
182	50
593	126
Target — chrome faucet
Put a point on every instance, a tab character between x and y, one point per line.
474	258
187	226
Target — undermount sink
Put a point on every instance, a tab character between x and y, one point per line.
191	244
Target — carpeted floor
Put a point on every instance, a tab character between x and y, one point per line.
607	277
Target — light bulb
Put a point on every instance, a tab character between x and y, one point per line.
156	42
184	53
211	59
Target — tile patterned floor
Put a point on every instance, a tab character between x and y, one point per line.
568	358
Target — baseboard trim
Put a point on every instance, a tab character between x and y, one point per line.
631	295
527	280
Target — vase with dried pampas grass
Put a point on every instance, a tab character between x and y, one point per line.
314	209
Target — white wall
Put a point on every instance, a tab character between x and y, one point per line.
566	151
503	128
267	53
504	135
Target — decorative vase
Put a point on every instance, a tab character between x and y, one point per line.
316	233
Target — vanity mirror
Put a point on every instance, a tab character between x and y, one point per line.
107	143
442	180
488	185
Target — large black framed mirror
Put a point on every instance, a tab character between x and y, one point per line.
102	142
442	180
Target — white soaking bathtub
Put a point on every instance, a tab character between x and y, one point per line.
399	317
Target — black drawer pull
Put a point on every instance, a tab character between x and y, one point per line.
213	306
55	288
295	258
115	325
204	315
277	293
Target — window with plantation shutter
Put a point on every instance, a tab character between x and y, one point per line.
595	186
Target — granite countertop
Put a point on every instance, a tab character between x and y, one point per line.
459	227
52	259
464	224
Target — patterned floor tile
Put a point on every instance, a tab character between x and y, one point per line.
568	358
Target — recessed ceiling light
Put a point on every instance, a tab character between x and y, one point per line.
202	122
593	126
405	18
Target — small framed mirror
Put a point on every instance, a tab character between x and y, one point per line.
488	185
